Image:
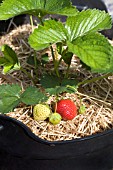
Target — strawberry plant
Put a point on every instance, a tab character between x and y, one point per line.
79	35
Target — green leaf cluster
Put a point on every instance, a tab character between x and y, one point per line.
80	35
11	8
55	85
12	95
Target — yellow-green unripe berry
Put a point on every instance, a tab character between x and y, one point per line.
82	109
41	112
55	118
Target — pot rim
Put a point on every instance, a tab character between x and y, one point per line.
28	131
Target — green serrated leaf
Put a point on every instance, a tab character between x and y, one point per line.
2	61
10	90
69	82
31	61
49	81
60	89
12	102
9	97
54	86
51	91
33	96
94	50
52	32
69	11
10	60
9	54
8	68
67	57
11	8
86	22
111	60
57	90
45	58
71	89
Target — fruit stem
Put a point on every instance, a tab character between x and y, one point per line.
56	100
55	107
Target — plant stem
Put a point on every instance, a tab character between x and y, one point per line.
67	71
31	21
57	73
52	53
28	74
57	65
51	48
36	66
94	79
54	61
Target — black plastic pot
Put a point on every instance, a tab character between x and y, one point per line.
85	4
20	149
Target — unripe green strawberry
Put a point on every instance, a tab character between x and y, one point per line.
41	112
55	118
82	109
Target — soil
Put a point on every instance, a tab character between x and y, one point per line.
96	97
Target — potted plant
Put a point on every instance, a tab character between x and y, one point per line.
78	35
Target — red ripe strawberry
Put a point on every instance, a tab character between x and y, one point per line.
66	108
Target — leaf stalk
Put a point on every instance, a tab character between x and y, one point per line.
94	79
28	75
